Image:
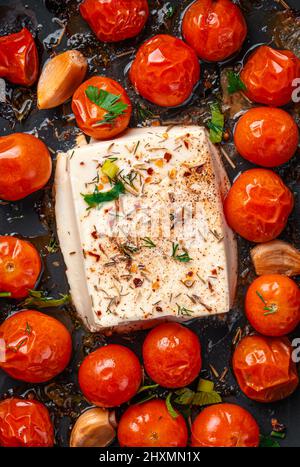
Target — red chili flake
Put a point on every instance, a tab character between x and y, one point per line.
81	163
214	272
190	273
94	234
186	143
187	174
94	255
168	156
159	309
137	282
199	169
150	171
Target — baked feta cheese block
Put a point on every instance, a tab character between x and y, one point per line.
142	230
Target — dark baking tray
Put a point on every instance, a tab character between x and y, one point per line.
33	218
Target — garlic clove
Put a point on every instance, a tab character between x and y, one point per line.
276	257
94	428
60	78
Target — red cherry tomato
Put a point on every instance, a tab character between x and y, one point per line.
88	114
110	376
150	425
25	166
115	20
258	205
34	347
165	71
225	425
20	266
216	29
19	61
266	136
172	355
273	305
25	423
269	75
264	368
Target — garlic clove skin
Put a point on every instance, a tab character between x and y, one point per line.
60	78
94	428
276	257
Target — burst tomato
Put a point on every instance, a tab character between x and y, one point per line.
273	305
266	136
115	20
258	205
150	425
110	375
25	423
215	29
19	61
95	120
264	368
225	425
172	355
269	75
25	166
165	71
34	347
20	266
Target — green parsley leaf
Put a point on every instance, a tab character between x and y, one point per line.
206	398
107	101
185	396
216	124
235	83
40	299
170	407
99	197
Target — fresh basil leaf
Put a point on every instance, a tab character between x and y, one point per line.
235	83
206	398
99	197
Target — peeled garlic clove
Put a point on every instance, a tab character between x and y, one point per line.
94	428
60	78
276	257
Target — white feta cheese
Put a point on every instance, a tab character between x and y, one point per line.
162	249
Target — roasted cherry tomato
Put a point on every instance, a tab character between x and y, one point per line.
266	136
264	368
34	347
165	71
115	20
172	355
25	423
225	425
25	166
258	205
103	120
19	61
273	305
216	29
110	375
269	74
20	266
150	425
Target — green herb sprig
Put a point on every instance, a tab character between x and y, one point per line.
107	101
235	83
216	124
40	299
269	309
99	197
183	257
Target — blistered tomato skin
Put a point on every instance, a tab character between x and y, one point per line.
20	266
264	368
266	136
25	166
172	355
165	71
88	114
110	375
258	205
34	347
272	305
115	20
25	423
19	62
225	425
214	29
269	75
150	425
